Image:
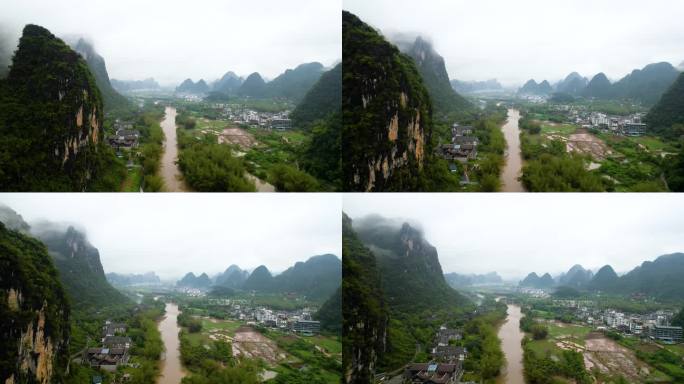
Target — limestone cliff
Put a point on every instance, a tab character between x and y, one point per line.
50	116
387	119
34	313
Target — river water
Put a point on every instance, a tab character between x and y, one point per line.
168	168
513	167
171	368
511	336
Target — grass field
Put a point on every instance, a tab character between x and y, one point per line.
561	129
572	332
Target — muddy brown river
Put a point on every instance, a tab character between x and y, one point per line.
511	336
513	166
171	368
172	176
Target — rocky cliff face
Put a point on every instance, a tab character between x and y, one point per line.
34	331
51	116
387	120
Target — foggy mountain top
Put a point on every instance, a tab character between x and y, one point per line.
517	41
515	234
174	234
171	41
380	223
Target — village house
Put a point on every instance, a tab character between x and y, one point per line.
106	358
667	334
428	373
117	342
281	123
448	353
113	329
445	335
461	130
306	327
124	138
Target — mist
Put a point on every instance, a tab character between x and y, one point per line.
174	40
515	234
172	234
514	41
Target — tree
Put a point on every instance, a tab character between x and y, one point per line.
539	331
286	178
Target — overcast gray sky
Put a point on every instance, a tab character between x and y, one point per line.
173	234
514	234
172	40
514	41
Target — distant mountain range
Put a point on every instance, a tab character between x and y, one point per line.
191	281
660	278
532	88
467	87
317	278
134	85
293	84
644	85
188	86
457	280
132	279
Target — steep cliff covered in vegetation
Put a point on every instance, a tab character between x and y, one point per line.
34	313
51	119
96	63
432	69
79	267
364	313
387	118
293	84
330	314
320	112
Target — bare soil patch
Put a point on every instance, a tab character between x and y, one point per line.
584	142
251	344
237	136
612	358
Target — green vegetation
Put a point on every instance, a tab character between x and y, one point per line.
485	357
210	167
543	370
286	178
368	56
549	168
330	314
49	131
361	303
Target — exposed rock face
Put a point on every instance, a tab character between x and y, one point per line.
52	114
34	330
387	113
